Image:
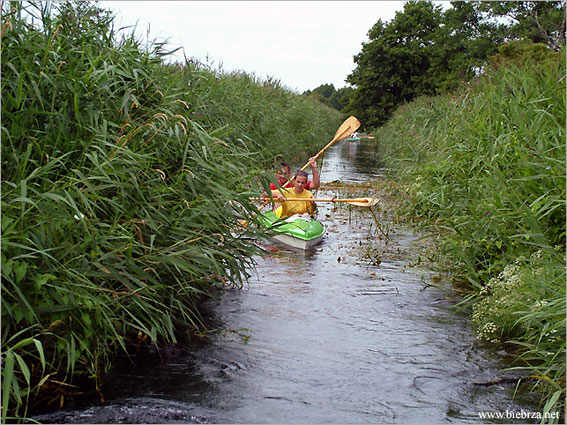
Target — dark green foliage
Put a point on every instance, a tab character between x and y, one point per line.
538	21
422	51
341	97
327	95
427	51
124	183
324	91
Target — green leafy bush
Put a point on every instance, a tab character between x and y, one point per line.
511	302
525	305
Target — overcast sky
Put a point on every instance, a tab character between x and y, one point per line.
301	43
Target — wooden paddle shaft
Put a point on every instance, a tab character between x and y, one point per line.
361	200
329	200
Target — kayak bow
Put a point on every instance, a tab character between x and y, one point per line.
294	231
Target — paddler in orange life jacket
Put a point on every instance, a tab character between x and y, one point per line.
283	176
289	208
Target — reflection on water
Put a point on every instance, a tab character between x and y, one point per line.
352	162
323	336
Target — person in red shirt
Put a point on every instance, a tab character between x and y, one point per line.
283	177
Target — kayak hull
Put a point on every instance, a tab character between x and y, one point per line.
294	232
294	242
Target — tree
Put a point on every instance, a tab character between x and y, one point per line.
323	94
464	40
425	51
391	67
538	21
340	98
327	95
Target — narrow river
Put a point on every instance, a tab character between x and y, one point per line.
354	331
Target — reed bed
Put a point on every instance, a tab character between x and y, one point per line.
484	168
125	181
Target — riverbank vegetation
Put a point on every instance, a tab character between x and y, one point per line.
124	183
484	169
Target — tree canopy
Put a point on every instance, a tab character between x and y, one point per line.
423	50
328	95
538	21
426	50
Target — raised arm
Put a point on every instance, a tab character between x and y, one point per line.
316	183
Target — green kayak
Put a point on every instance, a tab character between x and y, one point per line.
293	231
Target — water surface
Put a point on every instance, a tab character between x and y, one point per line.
350	332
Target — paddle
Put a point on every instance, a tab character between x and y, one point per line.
350	125
359	202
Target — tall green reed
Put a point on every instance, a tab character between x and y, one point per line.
488	163
485	168
124	184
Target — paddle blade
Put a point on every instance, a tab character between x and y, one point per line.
350	125
364	202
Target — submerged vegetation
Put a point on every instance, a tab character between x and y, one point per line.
484	168
124	183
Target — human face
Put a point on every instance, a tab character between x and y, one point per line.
283	175
299	183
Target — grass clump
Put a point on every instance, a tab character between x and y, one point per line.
485	169
124	183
